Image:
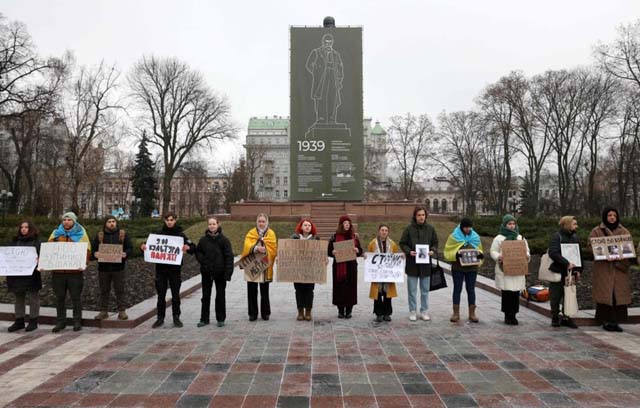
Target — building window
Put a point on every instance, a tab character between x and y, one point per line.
285	194
455	204
427	203
261	180
444	205
286	181
277	193
277	181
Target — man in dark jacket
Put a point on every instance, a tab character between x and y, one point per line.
566	235
215	256
111	272
418	232
169	276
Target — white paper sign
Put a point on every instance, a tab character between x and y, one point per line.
164	249
56	256
18	260
422	254
384	267
571	252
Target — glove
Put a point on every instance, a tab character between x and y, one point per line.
480	255
458	256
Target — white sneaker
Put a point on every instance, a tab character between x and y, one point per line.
412	316
425	316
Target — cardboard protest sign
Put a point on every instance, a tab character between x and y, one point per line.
514	258
380	267
571	252
612	247
254	266
302	261
344	251
18	260
422	254
469	257
56	256
110	253
164	249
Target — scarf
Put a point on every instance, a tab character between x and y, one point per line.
308	237
75	233
473	239
605	221
341	267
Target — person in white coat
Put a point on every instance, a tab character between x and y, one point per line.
511	286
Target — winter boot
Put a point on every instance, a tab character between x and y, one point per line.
300	314
472	314
456	314
17	325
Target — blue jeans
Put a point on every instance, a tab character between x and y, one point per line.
469	279
412	286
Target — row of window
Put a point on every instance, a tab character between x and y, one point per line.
260	180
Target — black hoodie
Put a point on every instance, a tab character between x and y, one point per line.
215	256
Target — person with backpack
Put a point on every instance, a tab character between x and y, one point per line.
463	237
112	273
26	288
215	255
169	276
566	235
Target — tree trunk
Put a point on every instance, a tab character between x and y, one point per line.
166	192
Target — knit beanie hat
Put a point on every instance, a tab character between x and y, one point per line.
71	215
466	222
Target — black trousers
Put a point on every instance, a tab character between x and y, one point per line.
220	303
164	281
252	294
382	305
556	292
510	302
73	282
304	295
106	279
612	314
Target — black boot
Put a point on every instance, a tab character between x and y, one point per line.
17	325
60	325
159	322
33	324
77	324
347	314
568	322
340	312
555	321
177	322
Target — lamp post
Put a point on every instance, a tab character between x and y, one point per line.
5	196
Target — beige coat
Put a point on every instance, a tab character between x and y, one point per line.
609	277
506	282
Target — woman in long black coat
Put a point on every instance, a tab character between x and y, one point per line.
26	288
345	274
215	256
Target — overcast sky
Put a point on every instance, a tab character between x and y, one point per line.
419	56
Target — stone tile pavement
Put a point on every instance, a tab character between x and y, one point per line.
329	362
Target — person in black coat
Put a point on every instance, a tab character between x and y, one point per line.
566	235
26	287
111	273
169	276
215	255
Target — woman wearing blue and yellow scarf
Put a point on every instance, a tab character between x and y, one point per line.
462	238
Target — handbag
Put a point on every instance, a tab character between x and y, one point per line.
544	273
437	280
570	307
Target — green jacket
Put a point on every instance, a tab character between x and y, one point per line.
418	234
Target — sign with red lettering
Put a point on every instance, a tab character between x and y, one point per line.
164	249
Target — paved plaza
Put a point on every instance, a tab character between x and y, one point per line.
329	362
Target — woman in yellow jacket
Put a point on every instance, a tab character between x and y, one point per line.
382	292
260	240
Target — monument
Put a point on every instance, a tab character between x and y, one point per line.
326	139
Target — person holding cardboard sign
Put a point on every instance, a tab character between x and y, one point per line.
611	281
345	274
461	239
26	287
260	240
110	271
510	285
383	292
215	255
170	276
418	232
305	230
69	230
566	235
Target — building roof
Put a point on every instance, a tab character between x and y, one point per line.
273	122
378	130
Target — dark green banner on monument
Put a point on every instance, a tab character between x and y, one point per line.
326	114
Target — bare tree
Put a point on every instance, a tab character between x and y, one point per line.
621	58
183	112
255	158
497	151
411	138
89	113
462	135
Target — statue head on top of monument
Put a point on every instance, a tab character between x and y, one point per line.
329	22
